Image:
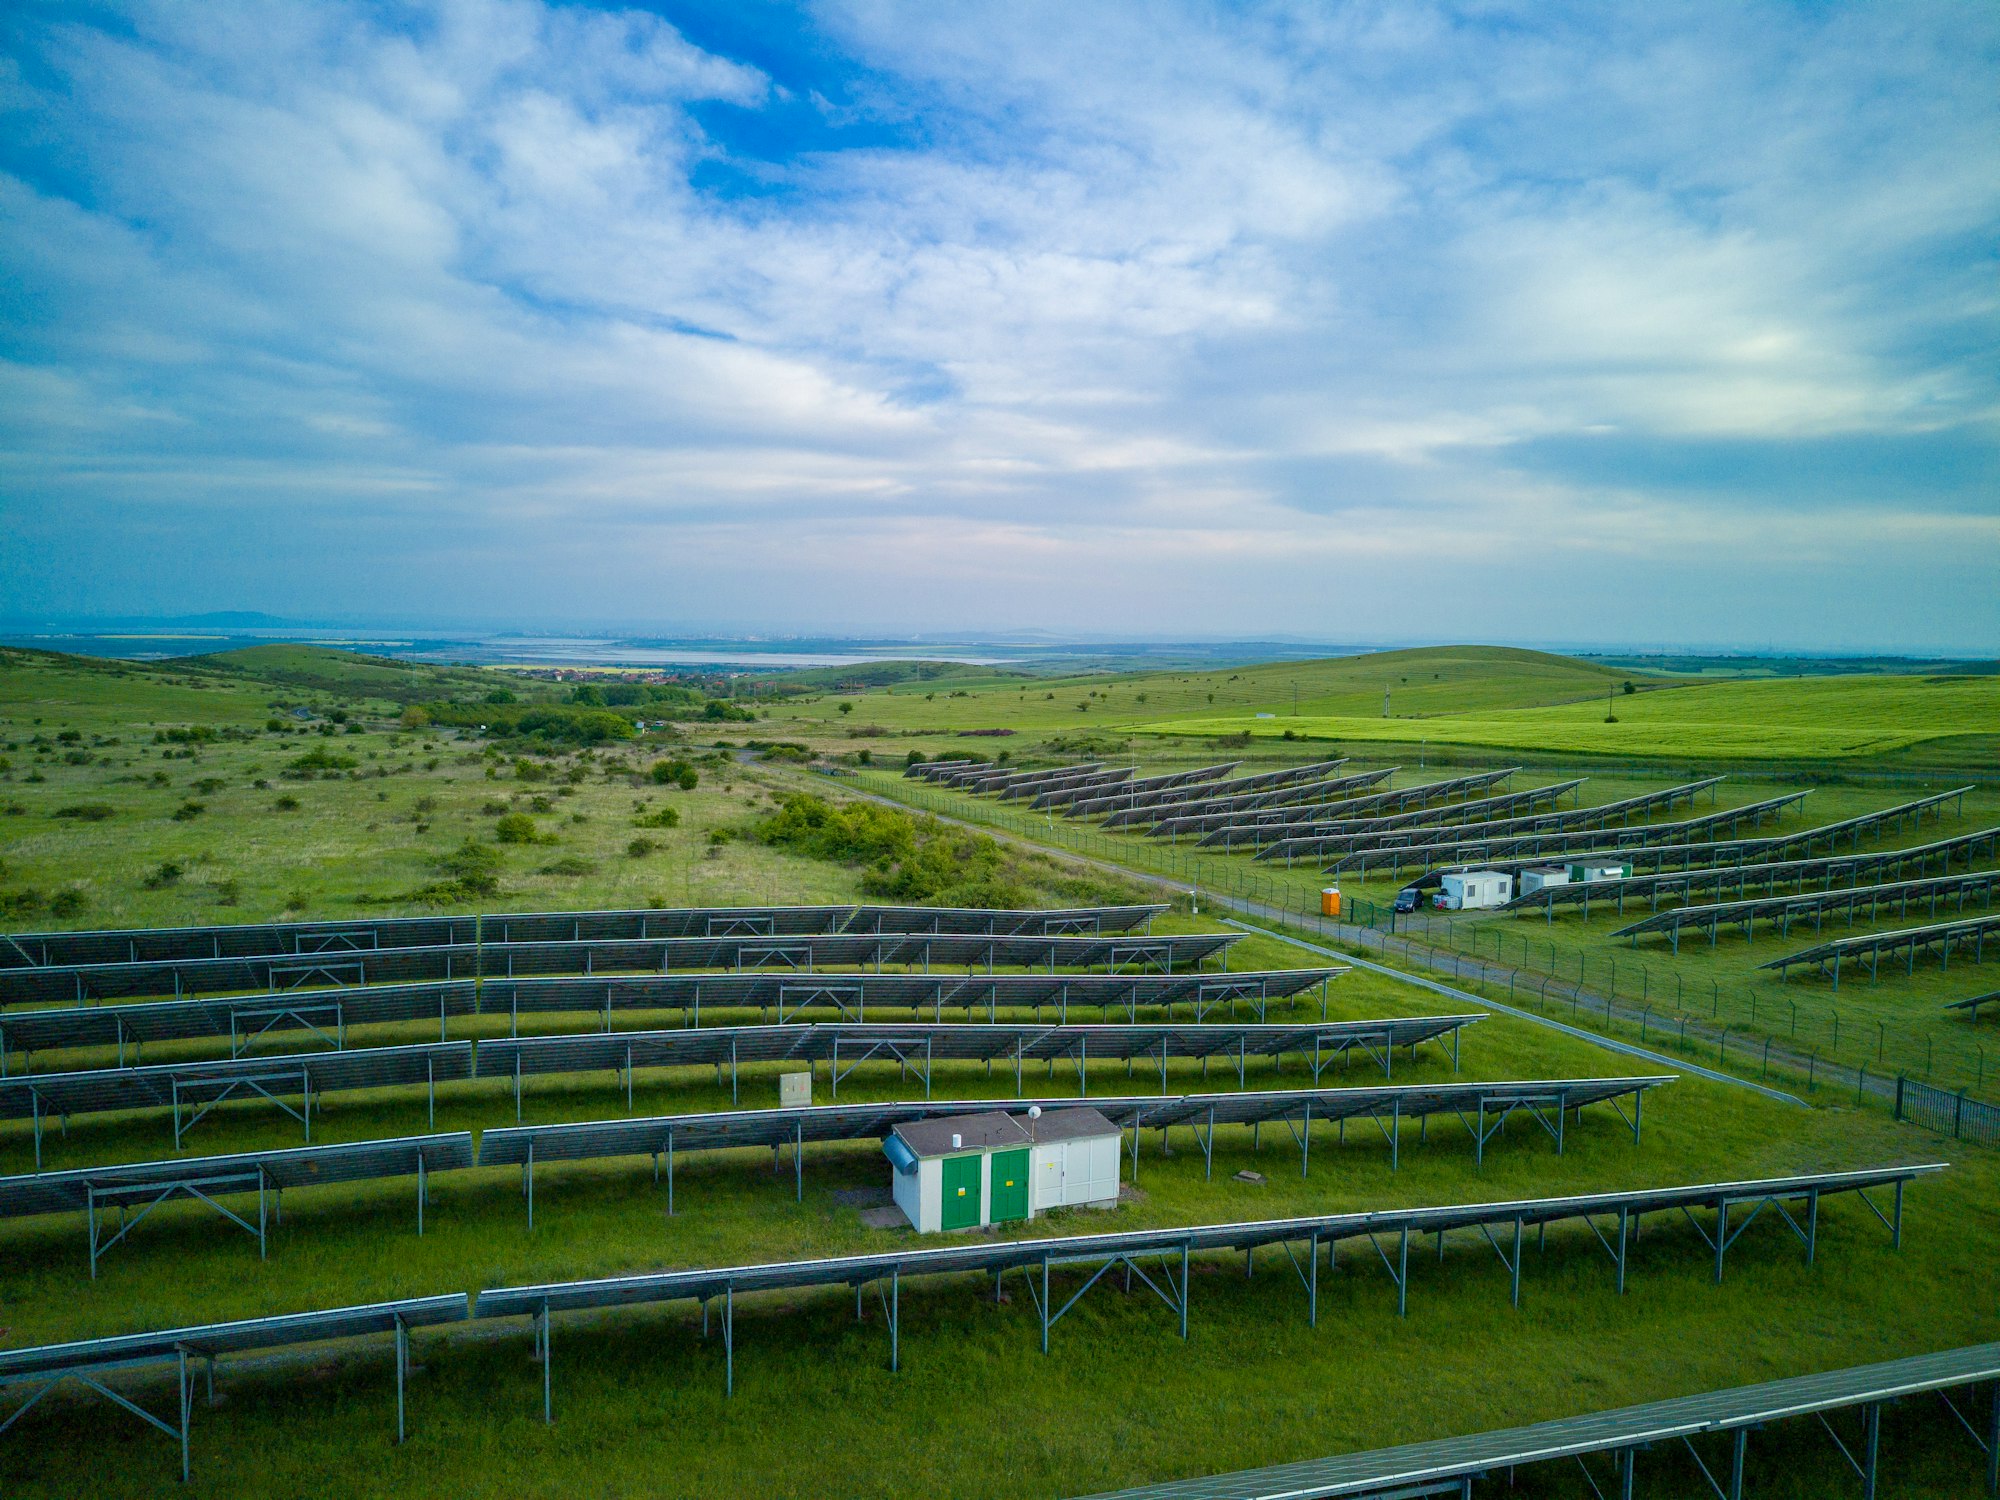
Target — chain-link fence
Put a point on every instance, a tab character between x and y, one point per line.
1812	1040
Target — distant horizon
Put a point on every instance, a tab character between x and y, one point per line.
236	626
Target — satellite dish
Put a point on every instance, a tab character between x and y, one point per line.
1034	1111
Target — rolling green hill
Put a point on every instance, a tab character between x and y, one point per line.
1429	680
1815	718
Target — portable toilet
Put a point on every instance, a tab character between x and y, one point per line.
1329	901
1540	880
1472	889
966	1171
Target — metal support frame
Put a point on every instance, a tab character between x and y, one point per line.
902	1049
1174	1293
249	1083
152	1194
275	1015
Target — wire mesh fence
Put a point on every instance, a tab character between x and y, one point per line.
1813	1040
1948	1113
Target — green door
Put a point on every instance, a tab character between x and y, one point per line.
961	1192
1010	1186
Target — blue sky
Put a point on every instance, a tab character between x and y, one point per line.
1667	325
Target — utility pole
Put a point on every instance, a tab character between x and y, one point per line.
1385	702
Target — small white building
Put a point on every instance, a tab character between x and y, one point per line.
1586	873
1540	880
1474	889
966	1171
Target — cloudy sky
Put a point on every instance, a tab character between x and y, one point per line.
1638	324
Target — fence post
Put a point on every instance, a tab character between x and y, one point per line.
1900	1081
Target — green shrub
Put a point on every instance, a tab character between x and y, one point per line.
88	812
665	817
67	903
675	773
516	828
187	812
303	767
640	848
167	873
568	865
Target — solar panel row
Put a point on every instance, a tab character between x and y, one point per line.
1150	1254
1448	1465
261	939
1936	857
1620	842
192	1089
328	1013
80	983
1781	911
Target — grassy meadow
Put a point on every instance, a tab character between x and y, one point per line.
286	825
1825	718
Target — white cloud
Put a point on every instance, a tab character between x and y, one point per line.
1226	300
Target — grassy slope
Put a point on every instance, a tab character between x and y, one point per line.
1826	717
639	1399
1451	679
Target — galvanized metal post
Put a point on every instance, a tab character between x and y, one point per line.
402	1359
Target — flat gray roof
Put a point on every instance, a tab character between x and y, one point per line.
956	1133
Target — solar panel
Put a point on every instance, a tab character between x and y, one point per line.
1941	938
242	1020
79	983
1485	1108
1782	911
195	1088
1162	1247
1717	877
1612	842
1292	794
305	939
1429	1467
145	1185
1318	770
48	1365
1064	797
1485	814
920	1045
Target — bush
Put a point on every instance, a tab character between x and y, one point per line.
516	828
906	858
675	773
88	812
65	904
187	812
287	803
665	817
168	873
303	767
208	786
640	848
568	865
416	716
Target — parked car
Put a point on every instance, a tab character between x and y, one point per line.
1406	899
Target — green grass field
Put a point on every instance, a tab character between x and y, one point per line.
976	1410
1812	718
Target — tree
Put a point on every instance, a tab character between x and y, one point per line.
847	708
